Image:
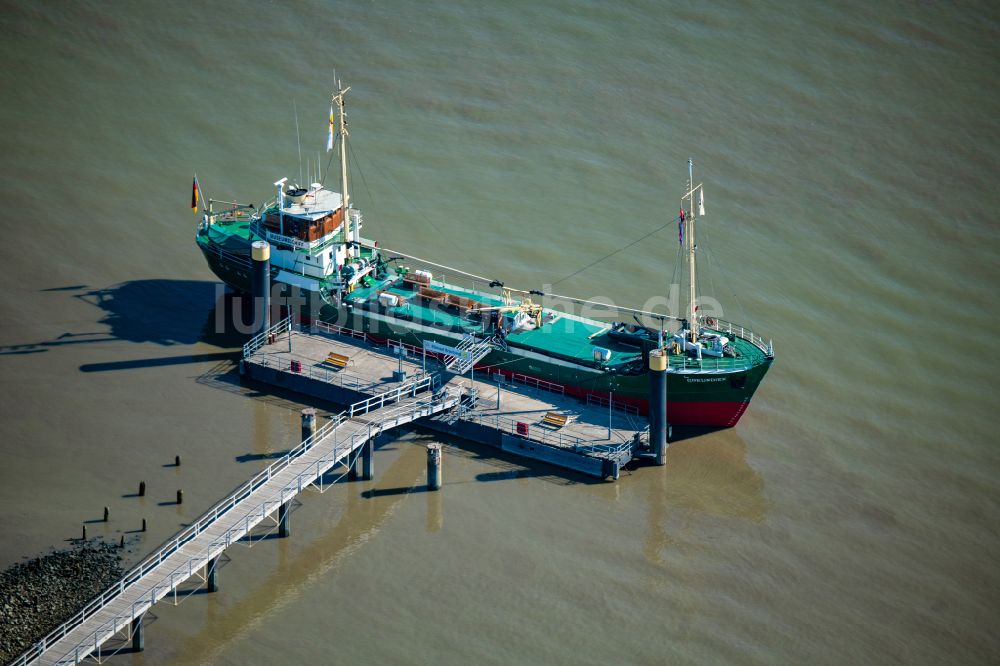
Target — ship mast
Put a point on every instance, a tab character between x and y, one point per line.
338	99
693	274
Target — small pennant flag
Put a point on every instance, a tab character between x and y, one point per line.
194	195
329	137
680	228
701	201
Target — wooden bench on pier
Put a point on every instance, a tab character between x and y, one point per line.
555	419
337	360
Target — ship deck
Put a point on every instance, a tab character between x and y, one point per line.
566	337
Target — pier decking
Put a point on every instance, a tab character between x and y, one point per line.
507	412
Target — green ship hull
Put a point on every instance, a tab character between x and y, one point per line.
558	356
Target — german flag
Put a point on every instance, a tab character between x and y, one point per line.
194	195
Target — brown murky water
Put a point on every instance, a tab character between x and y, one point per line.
848	155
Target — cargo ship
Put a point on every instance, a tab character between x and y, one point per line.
472	323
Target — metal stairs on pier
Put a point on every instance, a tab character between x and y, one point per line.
471	350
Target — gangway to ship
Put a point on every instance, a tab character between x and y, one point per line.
196	549
472	351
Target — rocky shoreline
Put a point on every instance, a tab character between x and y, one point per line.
38	595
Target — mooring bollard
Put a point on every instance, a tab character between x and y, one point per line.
142	489
180	496
105	514
433	467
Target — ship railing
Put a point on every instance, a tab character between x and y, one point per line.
735	330
342	449
558	438
228	256
624	407
708	364
261	339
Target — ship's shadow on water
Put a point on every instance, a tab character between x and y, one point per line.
162	312
167	312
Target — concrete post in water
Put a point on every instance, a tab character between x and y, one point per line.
180	496
84	537
433	467
353	465
177	461
212	575
138	639
658	405
308	423
142	489
106	514
143	524
368	459
261	252
284	529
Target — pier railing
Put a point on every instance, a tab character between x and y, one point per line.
623	407
186	569
259	340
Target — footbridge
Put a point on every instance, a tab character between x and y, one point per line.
348	438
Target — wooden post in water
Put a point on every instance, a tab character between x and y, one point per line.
433	467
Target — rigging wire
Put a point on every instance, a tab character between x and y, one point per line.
611	254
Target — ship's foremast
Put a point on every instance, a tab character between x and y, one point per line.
688	221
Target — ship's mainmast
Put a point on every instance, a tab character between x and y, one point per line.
349	239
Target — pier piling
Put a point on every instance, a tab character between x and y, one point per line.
433	467
84	537
138	639
261	253
106	514
211	575
368	460
308	423
658	405
180	496
284	529
142	489
143	524
177	461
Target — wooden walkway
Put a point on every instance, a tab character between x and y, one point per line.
196	548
